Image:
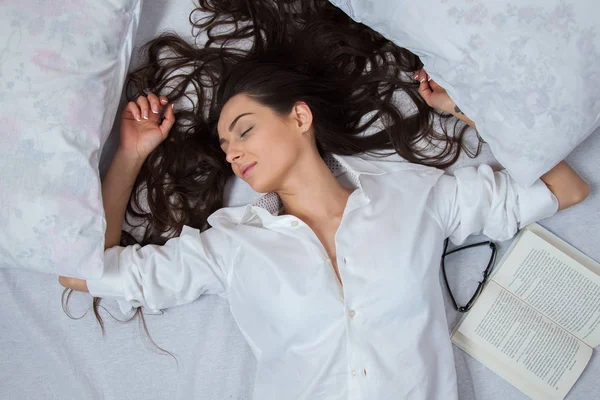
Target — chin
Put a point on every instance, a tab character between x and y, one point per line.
260	188
260	185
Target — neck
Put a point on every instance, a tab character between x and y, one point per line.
314	194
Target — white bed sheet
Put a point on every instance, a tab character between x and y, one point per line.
46	355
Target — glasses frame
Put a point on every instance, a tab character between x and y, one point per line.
482	283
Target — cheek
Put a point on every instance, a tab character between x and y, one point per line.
275	145
276	157
280	153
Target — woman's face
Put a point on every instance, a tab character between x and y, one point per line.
262	146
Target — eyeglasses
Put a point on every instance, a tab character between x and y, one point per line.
486	273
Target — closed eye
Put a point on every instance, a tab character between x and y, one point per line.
246	131
222	141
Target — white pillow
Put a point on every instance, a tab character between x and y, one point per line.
527	72
62	69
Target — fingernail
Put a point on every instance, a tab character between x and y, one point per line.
164	101
173	106
429	79
422	80
155	109
138	119
145	113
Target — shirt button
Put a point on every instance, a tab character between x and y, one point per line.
345	260
294	223
352	313
353	372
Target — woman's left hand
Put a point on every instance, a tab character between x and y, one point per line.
434	95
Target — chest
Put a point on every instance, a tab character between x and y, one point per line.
325	233
283	277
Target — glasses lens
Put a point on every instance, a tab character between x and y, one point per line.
464	271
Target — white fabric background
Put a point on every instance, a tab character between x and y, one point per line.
62	67
46	355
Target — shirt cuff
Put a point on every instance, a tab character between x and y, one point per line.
535	203
110	285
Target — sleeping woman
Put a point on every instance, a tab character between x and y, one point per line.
331	275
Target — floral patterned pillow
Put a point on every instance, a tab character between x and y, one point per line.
62	70
527	72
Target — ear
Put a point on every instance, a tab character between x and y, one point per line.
302	116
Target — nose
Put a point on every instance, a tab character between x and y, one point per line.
233	153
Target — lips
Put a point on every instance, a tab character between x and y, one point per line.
247	168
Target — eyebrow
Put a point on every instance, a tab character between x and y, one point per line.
232	125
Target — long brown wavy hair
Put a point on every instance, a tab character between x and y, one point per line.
278	52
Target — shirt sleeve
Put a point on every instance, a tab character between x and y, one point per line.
175	273
481	201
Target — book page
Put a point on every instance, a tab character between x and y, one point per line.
555	285
528	350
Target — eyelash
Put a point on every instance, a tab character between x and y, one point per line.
246	131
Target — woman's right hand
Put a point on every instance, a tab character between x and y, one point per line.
79	285
141	128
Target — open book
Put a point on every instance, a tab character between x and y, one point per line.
538	318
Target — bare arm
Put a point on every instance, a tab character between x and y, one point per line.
568	187
457	112
141	133
116	190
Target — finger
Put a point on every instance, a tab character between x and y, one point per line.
420	75
425	75
164	100
435	87
425	90
168	121
134	110
142	102
154	103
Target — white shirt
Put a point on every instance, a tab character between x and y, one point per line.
384	335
